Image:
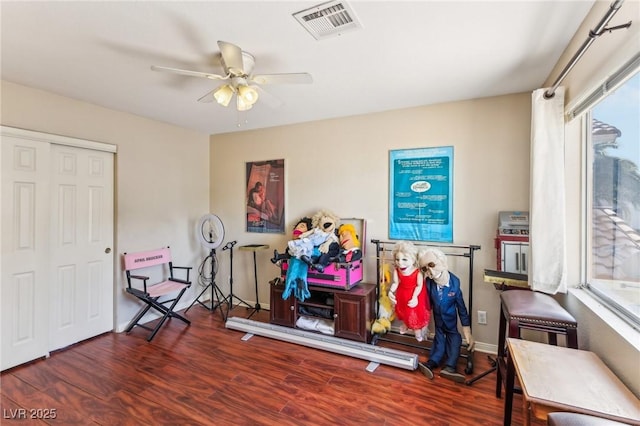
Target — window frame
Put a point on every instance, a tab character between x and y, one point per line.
584	110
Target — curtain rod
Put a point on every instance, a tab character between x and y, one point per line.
597	32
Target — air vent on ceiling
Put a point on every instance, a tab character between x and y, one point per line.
328	19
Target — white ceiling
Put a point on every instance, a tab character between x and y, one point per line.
406	54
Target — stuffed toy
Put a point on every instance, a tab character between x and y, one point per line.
296	282
349	244
319	245
386	313
297	271
303	247
313	248
303	225
447	305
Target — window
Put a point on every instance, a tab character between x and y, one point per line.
613	194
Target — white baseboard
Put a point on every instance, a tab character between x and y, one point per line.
486	348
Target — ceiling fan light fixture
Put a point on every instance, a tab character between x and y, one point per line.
248	94
224	94
239	79
241	105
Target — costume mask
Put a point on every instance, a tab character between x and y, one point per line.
433	267
299	229
404	262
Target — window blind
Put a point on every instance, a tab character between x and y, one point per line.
611	83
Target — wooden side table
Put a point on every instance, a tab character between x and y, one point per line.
524	309
555	378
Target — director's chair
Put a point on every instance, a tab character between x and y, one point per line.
151	294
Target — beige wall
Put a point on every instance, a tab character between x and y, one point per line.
161	174
343	165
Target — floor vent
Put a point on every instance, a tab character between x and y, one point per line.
328	19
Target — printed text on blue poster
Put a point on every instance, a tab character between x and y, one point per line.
420	198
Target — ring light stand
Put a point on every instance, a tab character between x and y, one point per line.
210	233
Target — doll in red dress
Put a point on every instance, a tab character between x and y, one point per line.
407	291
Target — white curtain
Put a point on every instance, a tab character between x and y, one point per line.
547	235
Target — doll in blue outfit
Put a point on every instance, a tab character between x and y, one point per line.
447	305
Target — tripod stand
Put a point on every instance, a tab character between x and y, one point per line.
216	293
254	248
231	296
494	367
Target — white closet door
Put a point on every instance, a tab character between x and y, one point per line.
25	250
56	265
81	284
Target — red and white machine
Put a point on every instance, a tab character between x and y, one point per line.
512	242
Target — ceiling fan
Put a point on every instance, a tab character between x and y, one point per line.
240	80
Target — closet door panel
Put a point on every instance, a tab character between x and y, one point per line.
82	237
25	250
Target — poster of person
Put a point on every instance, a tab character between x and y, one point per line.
265	196
421	194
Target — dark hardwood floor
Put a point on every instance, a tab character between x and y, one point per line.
206	374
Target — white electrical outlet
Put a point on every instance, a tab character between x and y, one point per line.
482	317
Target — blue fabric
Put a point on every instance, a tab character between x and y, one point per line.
445	311
296	282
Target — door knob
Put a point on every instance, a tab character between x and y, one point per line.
107	250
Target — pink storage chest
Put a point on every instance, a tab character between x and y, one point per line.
336	275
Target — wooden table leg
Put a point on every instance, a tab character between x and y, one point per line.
572	338
508	390
502	330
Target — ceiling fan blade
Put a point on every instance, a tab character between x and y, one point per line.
231	58
287	78
267	98
189	73
208	97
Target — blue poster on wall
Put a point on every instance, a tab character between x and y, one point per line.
421	194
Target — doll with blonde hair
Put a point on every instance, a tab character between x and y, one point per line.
349	243
407	291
